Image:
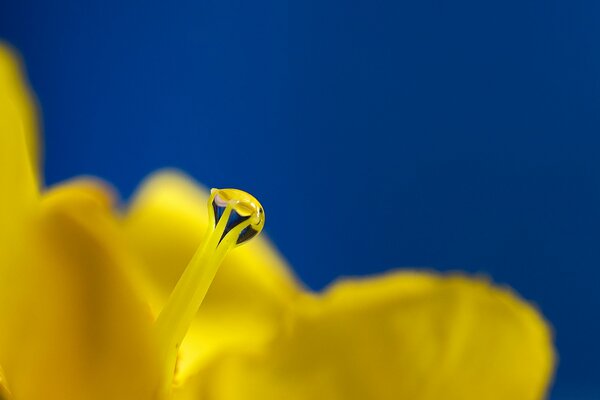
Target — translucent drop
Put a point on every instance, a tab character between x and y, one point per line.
244	206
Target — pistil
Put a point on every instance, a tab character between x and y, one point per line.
234	218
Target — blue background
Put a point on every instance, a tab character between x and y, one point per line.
452	134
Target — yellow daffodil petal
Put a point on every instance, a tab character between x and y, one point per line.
402	336
4	393
71	326
251	292
18	163
18	148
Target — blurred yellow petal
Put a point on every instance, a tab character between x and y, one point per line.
18	165
401	336
71	326
4	393
18	147
251	293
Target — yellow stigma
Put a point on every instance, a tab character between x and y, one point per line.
234	218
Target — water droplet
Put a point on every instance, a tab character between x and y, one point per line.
244	207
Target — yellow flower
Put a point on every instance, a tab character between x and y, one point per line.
89	307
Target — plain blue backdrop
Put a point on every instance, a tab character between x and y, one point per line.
378	134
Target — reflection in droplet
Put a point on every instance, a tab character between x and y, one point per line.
244	207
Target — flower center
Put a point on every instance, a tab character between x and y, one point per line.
234	218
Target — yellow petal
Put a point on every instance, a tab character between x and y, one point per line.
4	393
402	336
18	162
252	290
71	326
18	148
